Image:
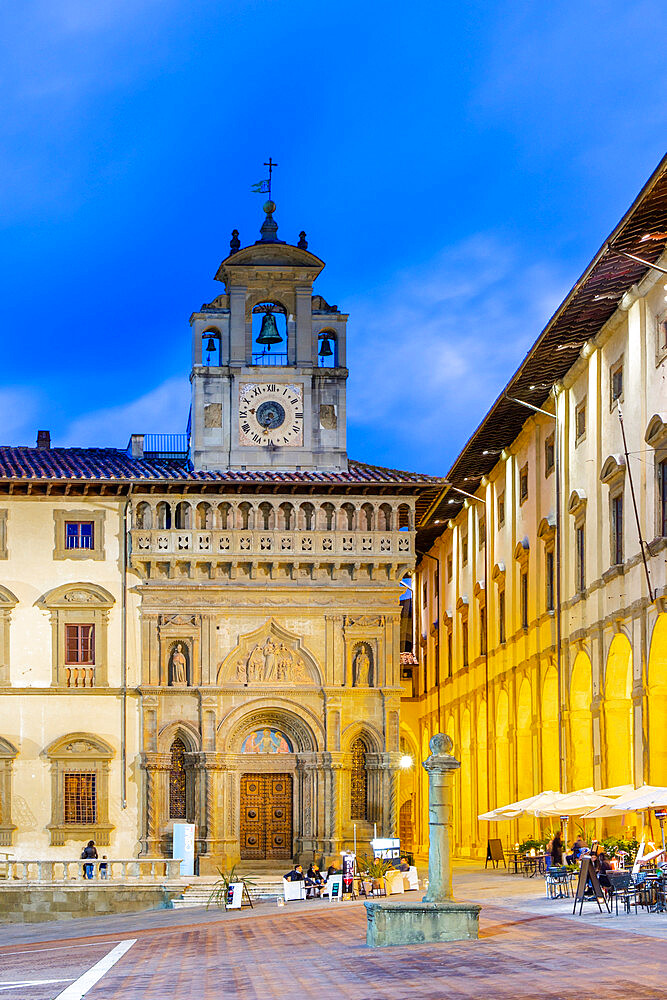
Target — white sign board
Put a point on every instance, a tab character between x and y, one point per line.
234	896
184	846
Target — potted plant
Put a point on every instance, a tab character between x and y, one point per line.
375	869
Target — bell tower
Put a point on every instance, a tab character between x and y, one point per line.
268	363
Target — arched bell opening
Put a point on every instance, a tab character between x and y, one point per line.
327	349
211	348
269	334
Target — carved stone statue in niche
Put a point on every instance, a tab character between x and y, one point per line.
178	665
363	666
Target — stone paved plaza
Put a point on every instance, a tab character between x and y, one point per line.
529	948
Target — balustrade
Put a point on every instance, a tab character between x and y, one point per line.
143	870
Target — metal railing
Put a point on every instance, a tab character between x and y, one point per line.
266	358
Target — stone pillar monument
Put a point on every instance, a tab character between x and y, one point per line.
438	917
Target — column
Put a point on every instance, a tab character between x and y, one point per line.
440	767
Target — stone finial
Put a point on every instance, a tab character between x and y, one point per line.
235	242
269	228
303	242
441	759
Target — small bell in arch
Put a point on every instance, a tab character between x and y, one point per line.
211	345
269	332
325	350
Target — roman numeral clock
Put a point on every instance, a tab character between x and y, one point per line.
270	414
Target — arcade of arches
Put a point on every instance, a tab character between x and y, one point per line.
614	721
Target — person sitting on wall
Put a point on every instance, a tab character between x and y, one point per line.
296	875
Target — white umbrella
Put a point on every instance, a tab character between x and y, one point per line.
524	807
634	800
572	803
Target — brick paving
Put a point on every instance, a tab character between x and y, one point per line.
319	952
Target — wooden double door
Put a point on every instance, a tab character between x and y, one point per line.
266	816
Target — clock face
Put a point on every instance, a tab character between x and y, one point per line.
270	414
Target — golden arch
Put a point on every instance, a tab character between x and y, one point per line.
618	721
657	702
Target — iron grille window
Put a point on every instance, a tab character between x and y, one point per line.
617	529
501	617
358	780
662	491
177	783
79	535
581	558
550	581
81	798
549	455
501	510
616	383
80	644
482	532
524	600
450	569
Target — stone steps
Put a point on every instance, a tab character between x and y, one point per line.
198	894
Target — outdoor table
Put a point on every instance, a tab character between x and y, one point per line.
534	865
513	858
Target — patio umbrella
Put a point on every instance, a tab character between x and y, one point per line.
572	803
634	800
524	807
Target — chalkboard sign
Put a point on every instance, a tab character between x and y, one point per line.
588	878
494	853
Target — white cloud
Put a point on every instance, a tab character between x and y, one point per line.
163	410
429	354
18	416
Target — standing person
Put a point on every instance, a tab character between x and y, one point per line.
89	851
557	849
104	867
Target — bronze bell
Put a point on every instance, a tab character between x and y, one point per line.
269	333
325	348
211	345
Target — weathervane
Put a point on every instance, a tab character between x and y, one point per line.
264	187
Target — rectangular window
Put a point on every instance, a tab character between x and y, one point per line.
79	535
501	510
617	529
580	421
482	631
450	569
524	599
80	644
662	497
581	558
550	580
449	652
616	383
464	641
482	532
80	798
523	484
549	455
425	592
464	550
501	617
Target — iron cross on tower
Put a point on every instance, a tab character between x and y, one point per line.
270	165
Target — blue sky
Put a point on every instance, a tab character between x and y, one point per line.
455	165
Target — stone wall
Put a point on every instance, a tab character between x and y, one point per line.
38	904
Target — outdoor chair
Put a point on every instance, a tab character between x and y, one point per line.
557	882
410	879
332	880
294	890
394	882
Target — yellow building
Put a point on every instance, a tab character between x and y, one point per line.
492	573
207	628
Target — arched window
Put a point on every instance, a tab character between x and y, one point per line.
177	780
269	334
327	349
358	790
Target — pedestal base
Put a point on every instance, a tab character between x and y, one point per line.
417	923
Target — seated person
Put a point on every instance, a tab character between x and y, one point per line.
404	866
314	881
296	875
579	847
603	865
333	870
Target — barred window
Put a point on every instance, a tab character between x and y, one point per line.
80	644
80	798
79	535
359	805
177	781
